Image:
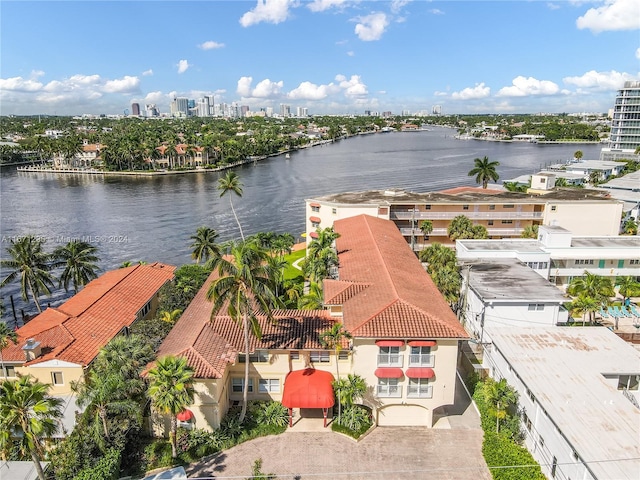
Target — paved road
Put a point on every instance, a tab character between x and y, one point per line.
450	451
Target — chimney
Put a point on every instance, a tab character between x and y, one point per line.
32	349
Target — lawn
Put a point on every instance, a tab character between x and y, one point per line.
292	272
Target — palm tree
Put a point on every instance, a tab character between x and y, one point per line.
347	390
125	354
630	227
245	281
484	170
230	183
78	259
32	265
313	299
333	338
628	287
171	391
426	226
461	227
204	244
530	231
561	182
578	155
500	397
594	286
585	306
106	397
6	335
27	414
321	256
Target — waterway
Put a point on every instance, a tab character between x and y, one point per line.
152	218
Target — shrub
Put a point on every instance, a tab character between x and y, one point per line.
355	418
271	413
107	468
202	442
500	451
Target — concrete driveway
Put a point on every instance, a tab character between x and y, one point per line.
449	451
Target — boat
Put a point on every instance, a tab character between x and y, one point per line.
288	155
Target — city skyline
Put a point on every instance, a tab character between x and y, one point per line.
328	56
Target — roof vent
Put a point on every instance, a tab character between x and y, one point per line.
32	349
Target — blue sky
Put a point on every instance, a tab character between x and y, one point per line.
331	56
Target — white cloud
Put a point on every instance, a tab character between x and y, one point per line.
156	97
436	11
352	87
125	84
638	53
553	6
613	15
210	45
264	89
523	87
600	80
322	5
311	91
371	27
147	73
183	65
472	93
270	11
351	53
19	84
397	5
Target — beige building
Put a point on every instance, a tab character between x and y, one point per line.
405	338
58	345
503	214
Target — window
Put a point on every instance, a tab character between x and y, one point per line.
583	262
237	385
10	370
492	207
419	388
531	395
553	208
146	309
57	378
315	224
489	222
315	208
628	382
343	355
319	356
421	356
541	441
536	306
269	385
294	355
554	466
427	207
509	205
634	261
388	387
507	222
259	356
390	357
465	207
383	211
334	211
526	420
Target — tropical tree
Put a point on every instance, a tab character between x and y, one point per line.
127	355
28	415
6	335
597	287
630	227
230	183
29	262
313	299
79	261
333	338
484	170
321	256
584	305
448	281
461	227
561	182
426	226
171	391
578	155
204	244
530	231
108	398
501	398
437	256
628	287
348	390
245	281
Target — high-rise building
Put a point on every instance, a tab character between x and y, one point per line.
285	110
624	138
135	109
203	108
212	110
180	107
152	110
436	110
302	112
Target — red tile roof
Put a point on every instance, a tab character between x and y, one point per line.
210	345
401	300
76	330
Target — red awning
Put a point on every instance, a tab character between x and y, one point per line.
314	219
389	372
309	388
313	234
314	205
389	343
422	343
185	415
415	372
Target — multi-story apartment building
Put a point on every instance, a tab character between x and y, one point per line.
625	124
503	214
405	338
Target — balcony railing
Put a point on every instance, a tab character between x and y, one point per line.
473	215
390	360
389	391
421	360
415	391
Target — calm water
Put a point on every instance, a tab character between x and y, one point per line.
152	219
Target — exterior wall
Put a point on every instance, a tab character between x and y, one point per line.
585	218
43	372
405	410
563	270
327	216
542	437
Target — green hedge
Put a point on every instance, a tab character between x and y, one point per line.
107	468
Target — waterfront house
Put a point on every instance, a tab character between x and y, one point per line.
503	214
405	339
180	156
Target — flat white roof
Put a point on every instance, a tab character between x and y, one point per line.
631	181
564	368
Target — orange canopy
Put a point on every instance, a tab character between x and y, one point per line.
309	388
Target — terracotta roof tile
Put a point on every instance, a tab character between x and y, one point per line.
401	296
77	330
337	292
